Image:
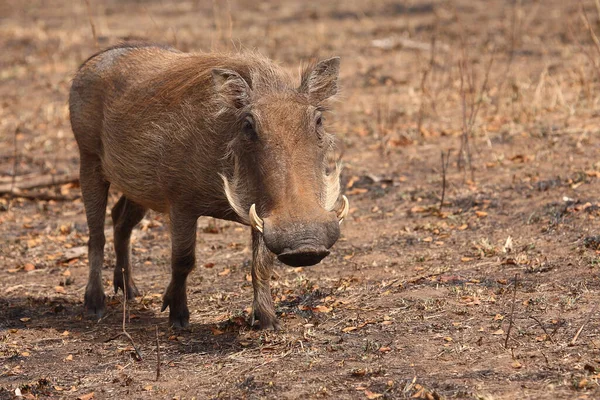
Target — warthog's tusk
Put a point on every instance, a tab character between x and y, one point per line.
341	214
255	220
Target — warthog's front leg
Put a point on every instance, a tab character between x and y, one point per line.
183	260
262	268
94	189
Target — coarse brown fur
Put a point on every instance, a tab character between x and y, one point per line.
204	134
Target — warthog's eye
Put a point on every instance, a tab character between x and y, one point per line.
319	121
248	128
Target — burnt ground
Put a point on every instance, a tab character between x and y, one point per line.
414	302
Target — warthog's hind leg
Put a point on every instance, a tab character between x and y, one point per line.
183	260
125	215
262	269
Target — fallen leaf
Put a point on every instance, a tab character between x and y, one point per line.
69	357
216	331
25	354
148	388
481	214
498	332
24	319
28	267
209	265
322	309
516	364
349	329
86	396
463	227
225	272
466	259
372	395
59	289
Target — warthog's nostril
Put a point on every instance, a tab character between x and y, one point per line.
304	256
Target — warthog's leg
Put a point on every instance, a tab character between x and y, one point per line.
183	260
125	215
94	189
262	269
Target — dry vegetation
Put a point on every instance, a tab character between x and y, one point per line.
488	293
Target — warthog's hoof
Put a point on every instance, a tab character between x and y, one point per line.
179	315
132	290
266	320
94	301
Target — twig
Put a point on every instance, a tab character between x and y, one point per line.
89	10
15	165
17	194
589	27
512	311
584	324
125	333
157	355
424	79
444	169
38	182
545	331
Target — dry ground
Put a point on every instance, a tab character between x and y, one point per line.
414	301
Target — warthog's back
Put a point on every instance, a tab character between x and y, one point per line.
151	115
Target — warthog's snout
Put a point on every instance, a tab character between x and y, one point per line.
301	244
304	256
301	241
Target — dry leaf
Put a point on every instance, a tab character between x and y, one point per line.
24	319
209	265
225	272
349	329
322	309
372	395
69	357
481	214
59	289
216	331
86	396
28	267
498	332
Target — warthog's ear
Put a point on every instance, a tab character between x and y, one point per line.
233	89
320	81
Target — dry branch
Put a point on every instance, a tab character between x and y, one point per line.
512	312
138	353
592	312
37	182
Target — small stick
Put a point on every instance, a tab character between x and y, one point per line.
125	333
89	10
545	331
444	168
584	324
157	355
512	311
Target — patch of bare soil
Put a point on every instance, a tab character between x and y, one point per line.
491	293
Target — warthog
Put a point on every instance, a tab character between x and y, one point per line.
229	136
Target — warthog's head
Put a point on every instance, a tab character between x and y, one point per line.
281	184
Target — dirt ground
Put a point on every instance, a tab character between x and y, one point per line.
414	301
